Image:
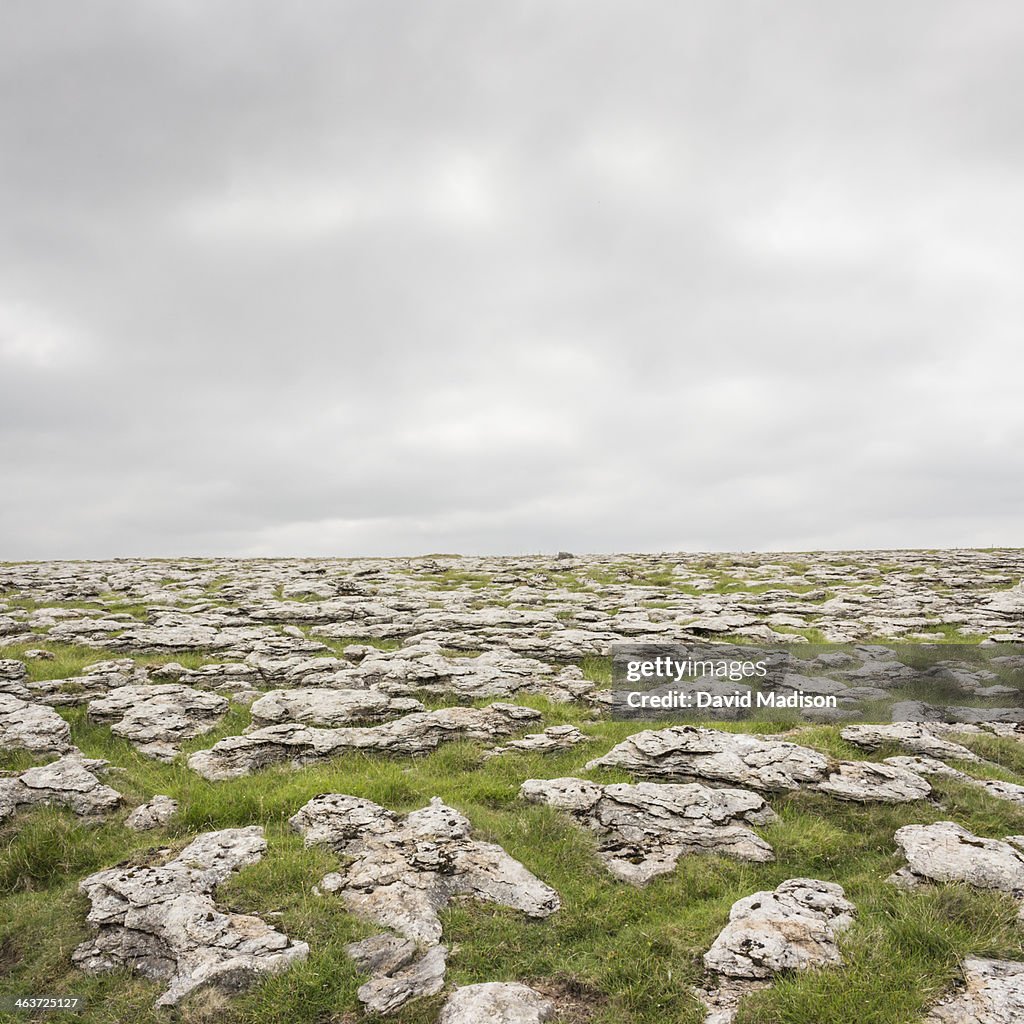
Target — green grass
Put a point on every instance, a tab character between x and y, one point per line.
635	954
637	950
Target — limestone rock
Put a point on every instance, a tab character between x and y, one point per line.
163	922
399	972
69	782
946	852
34	727
794	927
688	752
414	734
158	717
13	676
993	993
402	872
154	814
423	668
791	928
646	828
865	782
912	736
328	706
496	1002
760	762
997	788
99	678
554	738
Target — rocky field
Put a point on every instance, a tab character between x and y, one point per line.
315	790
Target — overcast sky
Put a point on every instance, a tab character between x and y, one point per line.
391	278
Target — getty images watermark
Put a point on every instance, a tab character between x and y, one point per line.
692	671
700	681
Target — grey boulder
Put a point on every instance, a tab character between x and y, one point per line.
496	1002
644	829
162	921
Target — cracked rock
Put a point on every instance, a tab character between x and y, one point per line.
401	872
157	718
762	763
399	972
864	782
993	993
496	1002
912	736
419	733
794	927
155	814
423	668
34	727
330	707
684	752
930	766
69	782
554	738
13	676
946	852
163	922
99	679
646	828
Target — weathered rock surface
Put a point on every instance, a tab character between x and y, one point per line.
554	738
646	828
794	927
911	736
154	814
920	711
400	971
496	1002
328	706
419	733
866	782
688	752
101	677
421	667
762	763
69	782
401	872
947	852
791	928
158	717
930	766
163	922
13	676
993	993
34	727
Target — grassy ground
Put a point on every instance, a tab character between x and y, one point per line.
628	955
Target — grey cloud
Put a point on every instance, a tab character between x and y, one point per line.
391	277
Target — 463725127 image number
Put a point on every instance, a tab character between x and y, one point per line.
35	1004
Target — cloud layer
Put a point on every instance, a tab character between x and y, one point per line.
386	277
